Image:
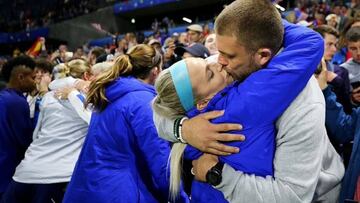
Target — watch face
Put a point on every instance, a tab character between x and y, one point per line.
213	177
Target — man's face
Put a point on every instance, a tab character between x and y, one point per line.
354	48
234	57
193	36
330	46
27	80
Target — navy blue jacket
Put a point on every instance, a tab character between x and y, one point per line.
15	133
344	128
123	159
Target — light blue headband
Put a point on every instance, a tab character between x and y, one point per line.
182	83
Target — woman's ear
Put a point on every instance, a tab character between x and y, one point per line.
262	56
87	76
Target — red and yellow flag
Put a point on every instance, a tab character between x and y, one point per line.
35	48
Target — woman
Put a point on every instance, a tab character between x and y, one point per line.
286	78
122	159
59	134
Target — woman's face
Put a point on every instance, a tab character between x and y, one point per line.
207	79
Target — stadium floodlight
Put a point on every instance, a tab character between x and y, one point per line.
188	20
282	9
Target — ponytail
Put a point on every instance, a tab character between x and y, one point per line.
138	62
96	94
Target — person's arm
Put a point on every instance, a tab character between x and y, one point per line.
300	146
20	123
341	125
77	100
279	83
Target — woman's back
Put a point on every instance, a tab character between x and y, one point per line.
56	145
122	154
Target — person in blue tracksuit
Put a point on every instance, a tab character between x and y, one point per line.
256	103
15	124
123	159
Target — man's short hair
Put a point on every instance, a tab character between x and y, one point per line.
326	29
255	23
98	51
13	63
353	35
44	65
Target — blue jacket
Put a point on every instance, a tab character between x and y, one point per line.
258	102
15	133
344	128
123	159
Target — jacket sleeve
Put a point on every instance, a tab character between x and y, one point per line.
77	100
274	87
341	125
153	149
21	125
301	143
164	127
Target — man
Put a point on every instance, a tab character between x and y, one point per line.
307	167
353	65
15	124
95	53
343	128
338	76
193	50
194	33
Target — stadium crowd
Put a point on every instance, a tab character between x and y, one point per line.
265	107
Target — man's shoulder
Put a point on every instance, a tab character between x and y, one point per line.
11	97
311	94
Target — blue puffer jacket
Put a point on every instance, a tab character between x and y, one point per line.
258	102
123	159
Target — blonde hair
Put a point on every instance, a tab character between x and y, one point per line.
74	68
167	104
99	68
138	62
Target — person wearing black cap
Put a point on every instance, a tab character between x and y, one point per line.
194	50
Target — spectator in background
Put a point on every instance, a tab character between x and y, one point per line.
95	53
195	33
332	20
169	53
15	124
343	128
353	65
344	54
79	53
339	79
194	50
154	43
210	44
49	161
183	39
43	71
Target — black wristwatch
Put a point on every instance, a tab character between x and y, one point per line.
214	175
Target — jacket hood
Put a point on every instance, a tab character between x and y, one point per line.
62	82
124	85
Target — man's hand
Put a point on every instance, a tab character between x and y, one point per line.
202	165
322	78
205	136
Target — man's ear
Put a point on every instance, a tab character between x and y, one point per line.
262	56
